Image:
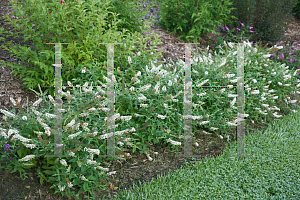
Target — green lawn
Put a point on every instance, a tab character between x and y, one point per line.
273	172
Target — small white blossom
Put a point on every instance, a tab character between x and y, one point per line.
70	184
202	83
95	151
74	135
13	101
36	112
61	188
31	146
48	115
79	163
21	138
126	118
161	116
143	105
83	178
142	97
100	90
149	158
145	88
131	89
24	118
173	142
112	172
92	162
26	158
47	131
51	99
8	114
70	124
71	153
37	102
91	109
101	168
63	162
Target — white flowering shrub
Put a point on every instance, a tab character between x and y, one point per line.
148	109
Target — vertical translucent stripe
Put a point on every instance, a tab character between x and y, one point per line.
110	101
187	103
240	101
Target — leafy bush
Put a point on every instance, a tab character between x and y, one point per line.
191	19
155	99
296	10
83	24
266	16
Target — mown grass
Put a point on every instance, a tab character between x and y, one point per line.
273	172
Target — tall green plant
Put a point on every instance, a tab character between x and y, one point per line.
193	18
82	24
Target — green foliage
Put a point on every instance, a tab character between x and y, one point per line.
193	18
266	16
128	15
83	24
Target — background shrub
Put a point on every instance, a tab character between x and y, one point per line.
83	24
266	16
193	18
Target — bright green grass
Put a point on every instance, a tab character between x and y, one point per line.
273	173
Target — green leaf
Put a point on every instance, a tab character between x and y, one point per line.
92	178
49	172
134	149
41	181
85	186
14	170
149	138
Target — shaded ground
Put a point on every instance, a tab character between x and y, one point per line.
133	170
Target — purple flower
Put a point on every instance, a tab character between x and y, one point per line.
238	29
241	23
250	27
282	56
6	148
226	28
